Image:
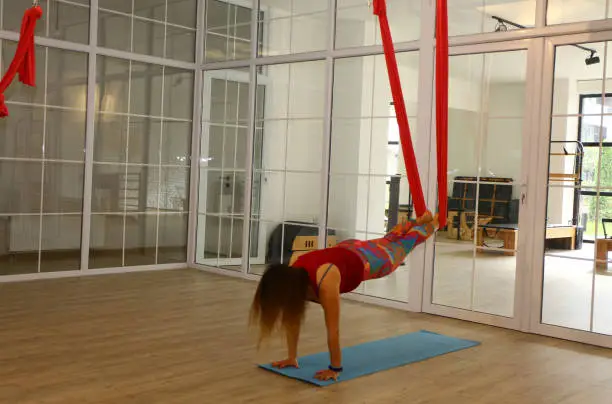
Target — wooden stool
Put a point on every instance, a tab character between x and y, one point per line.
602	246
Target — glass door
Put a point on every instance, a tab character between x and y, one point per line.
572	277
477	261
225	133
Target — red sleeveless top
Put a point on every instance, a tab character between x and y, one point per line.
350	266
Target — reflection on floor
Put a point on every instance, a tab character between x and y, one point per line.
492	274
55	261
568	283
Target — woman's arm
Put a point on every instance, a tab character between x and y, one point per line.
293	336
330	300
329	296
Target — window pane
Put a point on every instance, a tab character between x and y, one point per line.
68	22
108	181
348	203
573	77
148	38
19	92
153	25
19	241
565	11
363	116
114	31
140	239
302	197
146	89
180	43
228	34
304	144
230	243
475	266
12	15
61	243
116	5
469	17
106	241
141	189
112	84
63	188
152	9
183	12
111	138
22	135
220	241
292	27
67	79
178	93
65	135
20	183
144	138
356	24
298	91
222	193
174	189
172	240
176	143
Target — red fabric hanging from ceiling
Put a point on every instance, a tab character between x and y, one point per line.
24	61
442	107
380	9
412	170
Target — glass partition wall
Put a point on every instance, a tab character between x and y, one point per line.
230	134
95	160
300	150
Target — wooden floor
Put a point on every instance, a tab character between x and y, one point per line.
181	337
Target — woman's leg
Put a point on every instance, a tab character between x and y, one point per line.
396	246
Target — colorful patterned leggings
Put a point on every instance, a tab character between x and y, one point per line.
383	255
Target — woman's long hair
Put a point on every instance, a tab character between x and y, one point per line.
280	300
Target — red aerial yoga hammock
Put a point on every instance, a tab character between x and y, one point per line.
24	61
380	9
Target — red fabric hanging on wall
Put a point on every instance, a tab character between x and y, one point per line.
24	61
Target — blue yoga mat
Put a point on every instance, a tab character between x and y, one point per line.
372	357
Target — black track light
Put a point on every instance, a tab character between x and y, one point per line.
592	60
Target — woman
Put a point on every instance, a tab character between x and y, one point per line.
321	276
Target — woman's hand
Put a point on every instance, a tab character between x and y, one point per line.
287	363
327	374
